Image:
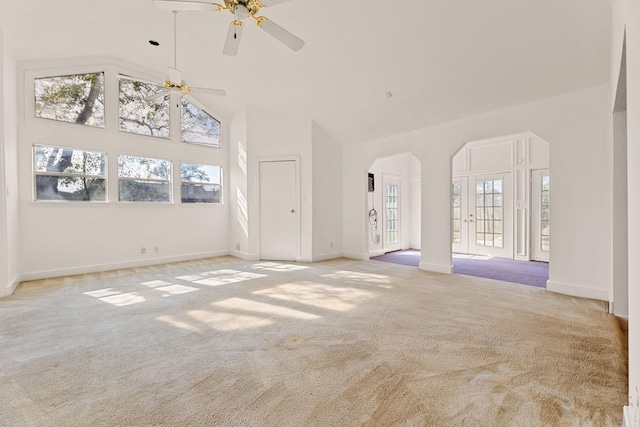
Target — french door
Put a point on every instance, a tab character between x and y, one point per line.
391	240
481	215
540	187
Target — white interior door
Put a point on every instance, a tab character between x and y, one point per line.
278	232
460	215
391	240
490	215
540	215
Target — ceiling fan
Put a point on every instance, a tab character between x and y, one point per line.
174	82
241	9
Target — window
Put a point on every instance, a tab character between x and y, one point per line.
544	213
198	127
391	218
140	116
200	183
142	179
67	174
76	98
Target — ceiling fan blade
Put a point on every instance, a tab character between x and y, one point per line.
182	5
175	75
232	43
281	34
208	91
155	96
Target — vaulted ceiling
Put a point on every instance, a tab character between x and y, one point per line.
440	59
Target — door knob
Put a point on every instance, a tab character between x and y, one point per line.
293	211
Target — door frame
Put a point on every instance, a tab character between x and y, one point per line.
256	222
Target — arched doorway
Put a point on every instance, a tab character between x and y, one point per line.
393	204
501	209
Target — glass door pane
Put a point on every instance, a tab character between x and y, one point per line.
391	218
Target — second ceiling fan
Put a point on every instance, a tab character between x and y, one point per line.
241	9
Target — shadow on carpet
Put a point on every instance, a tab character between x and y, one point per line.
530	273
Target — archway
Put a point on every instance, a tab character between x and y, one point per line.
501	209
393	204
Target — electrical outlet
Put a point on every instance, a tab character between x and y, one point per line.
143	250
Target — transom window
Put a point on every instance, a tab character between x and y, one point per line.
200	183
68	174
74	98
142	179
140	116
198	126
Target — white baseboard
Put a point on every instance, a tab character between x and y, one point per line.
325	257
244	255
624	322
356	255
98	268
11	286
577	291
436	268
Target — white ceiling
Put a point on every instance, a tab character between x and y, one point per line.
441	59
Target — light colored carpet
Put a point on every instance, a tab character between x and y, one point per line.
228	342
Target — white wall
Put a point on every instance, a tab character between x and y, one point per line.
327	196
577	127
620	252
238	186
4	264
66	238
9	243
415	241
270	136
626	18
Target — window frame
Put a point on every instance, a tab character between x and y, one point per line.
35	173
200	106
220	185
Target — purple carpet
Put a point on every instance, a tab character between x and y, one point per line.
530	273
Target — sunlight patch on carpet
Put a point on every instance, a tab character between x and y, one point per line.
259	307
222	321
319	295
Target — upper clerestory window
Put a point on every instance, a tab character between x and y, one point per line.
198	126
74	98
142	116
